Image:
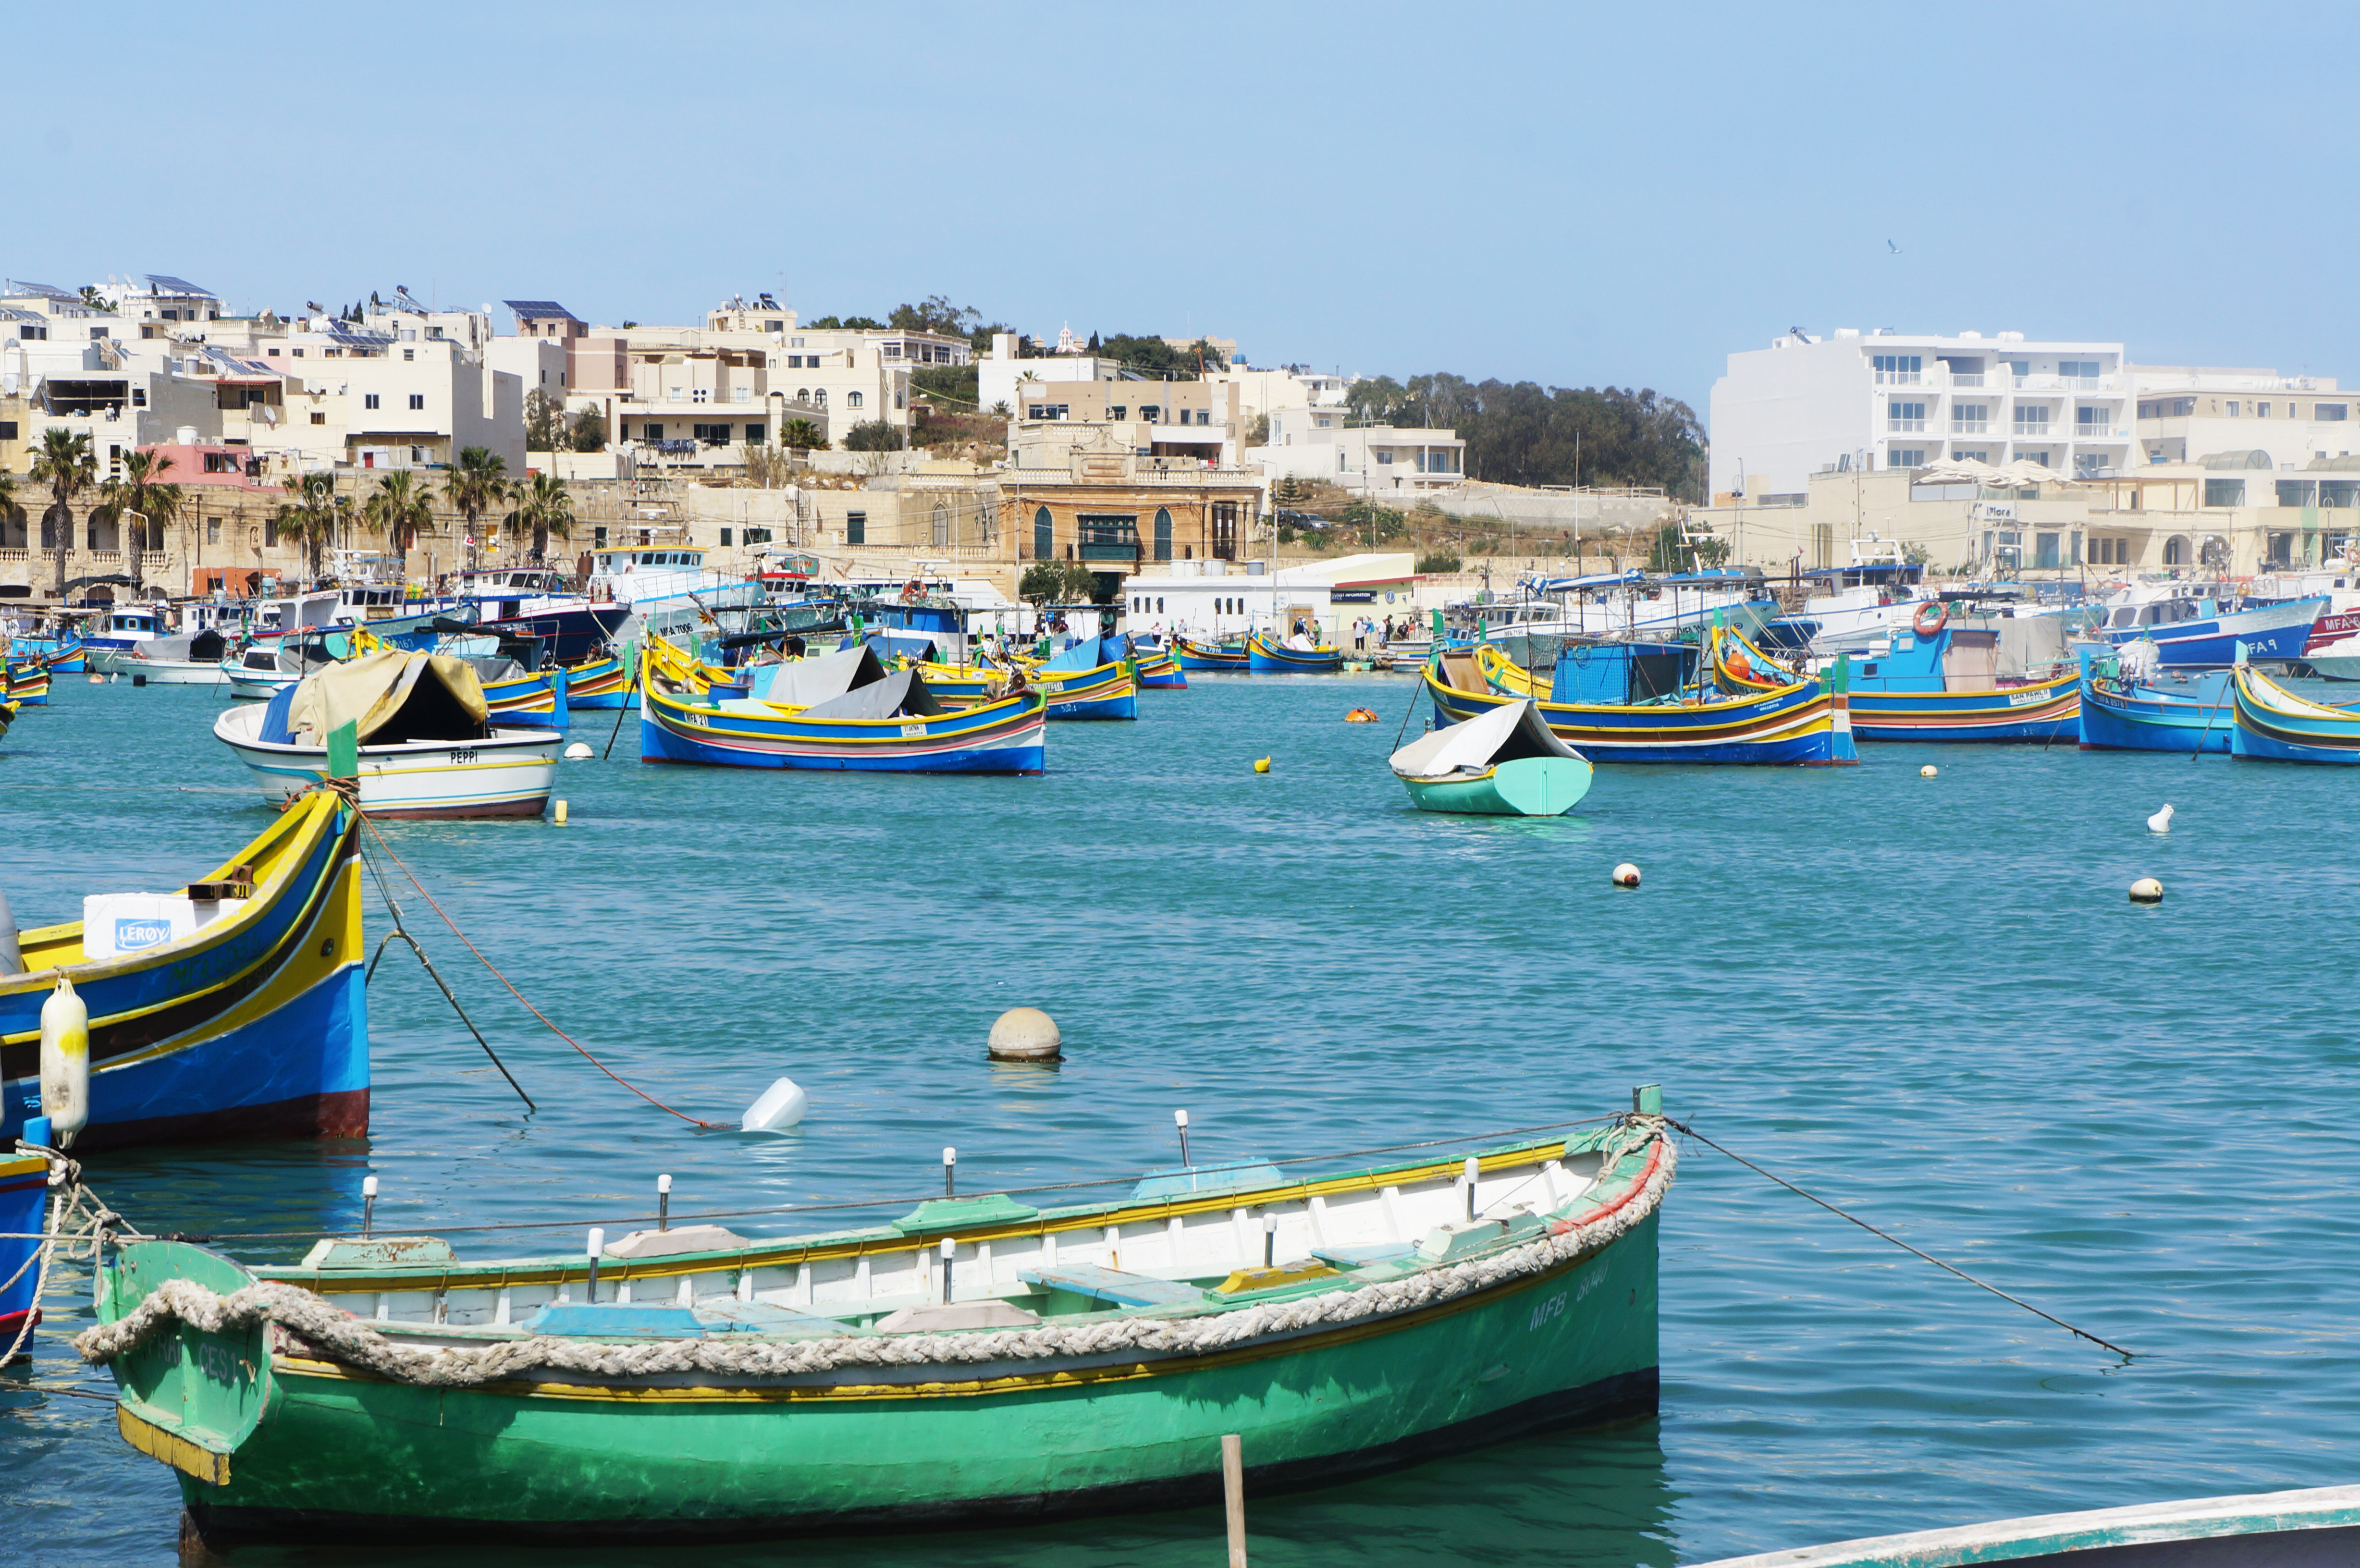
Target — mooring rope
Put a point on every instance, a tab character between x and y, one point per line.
1979	1284
536	1012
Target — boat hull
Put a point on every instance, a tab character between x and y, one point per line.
1528	787
2269	633
1209	657
600	685
2276	726
256	1026
1266	657
1002	736
538	699
2119	716
1803	725
2039	711
24	1194
511	774
155	672
338	1454
25	682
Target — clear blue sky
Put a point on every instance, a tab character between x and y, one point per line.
1570	193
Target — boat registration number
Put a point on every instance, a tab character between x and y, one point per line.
2024	699
909	730
463	756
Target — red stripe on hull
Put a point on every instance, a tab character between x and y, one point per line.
342	1114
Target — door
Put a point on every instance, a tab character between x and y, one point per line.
1162	534
1044	535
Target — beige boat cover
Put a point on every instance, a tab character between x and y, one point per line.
371	690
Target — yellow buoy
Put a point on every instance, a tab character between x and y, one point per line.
560	811
2147	890
1626	875
1262	764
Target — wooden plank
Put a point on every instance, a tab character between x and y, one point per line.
1113	1285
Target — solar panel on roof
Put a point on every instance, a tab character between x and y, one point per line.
540	310
18	286
175	285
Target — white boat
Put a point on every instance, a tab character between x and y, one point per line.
1535	627
261	671
427	746
189	661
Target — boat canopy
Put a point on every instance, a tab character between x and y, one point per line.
1508	732
800	682
902	692
1087	653
392	697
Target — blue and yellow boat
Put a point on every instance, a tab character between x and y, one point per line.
601	683
1209	656
1804	723
838	712
2276	726
1157	670
1929	687
25	680
24	1195
255	1023
2122	713
1267	655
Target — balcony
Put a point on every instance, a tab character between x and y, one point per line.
1900	378
2036	431
1906	427
1967	378
1970	426
1123	550
2099	432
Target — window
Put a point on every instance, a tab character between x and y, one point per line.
852	399
1044	535
418	399
1898	369
271	352
742	394
368	400
674	394
319	418
2233	407
1976	455
2092	420
1904	416
754	536
7	430
298	354
2332	412
1041	411
1162	540
2224	492
2032	421
140	397
856	528
1118	412
2261	411
819	397
655	431
1150	412
725	538
2175	551
1908	457
1970	418
2078	369
758	434
1385	455
774	326
796	341
2044	551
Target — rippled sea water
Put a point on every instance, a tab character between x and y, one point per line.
1926	1000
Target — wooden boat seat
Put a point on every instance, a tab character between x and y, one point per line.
765	1317
1352	1258
1113	1285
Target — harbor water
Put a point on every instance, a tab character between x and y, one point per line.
1926	1000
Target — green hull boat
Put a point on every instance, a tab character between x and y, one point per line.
1504	762
1080	1359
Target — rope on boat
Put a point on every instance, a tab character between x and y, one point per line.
536	1012
328	1330
79	1222
1904	1246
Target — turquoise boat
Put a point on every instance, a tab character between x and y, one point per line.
1267	655
2276	726
2318	1525
977	1359
1504	763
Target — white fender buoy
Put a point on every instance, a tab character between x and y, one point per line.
12	957
1626	875
1927	771
2161	821
782	1105
65	1063
1024	1034
579	752
2147	890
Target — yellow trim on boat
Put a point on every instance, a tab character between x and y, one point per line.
179	1453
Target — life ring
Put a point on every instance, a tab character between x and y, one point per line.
1931	616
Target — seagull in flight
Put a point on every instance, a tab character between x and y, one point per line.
1894	248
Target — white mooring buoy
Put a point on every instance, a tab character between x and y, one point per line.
1626	875
1024	1034
782	1105
2147	890
1928	771
579	752
2161	821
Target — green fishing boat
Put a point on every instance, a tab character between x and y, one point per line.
977	1359
1504	762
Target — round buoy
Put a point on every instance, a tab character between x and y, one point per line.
1361	716
1927	771
1626	875
1262	764
96	679
579	752
1024	1034
2147	890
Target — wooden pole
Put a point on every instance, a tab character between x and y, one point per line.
1234	1495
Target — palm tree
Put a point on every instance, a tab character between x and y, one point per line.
479	484
400	507
141	492
311	512
64	464
543	507
802	435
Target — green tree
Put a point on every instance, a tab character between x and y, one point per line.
1674	553
477	484
1058	582
96	301
311	512
544	422
1154	356
64	464
1439	560
956	387
935	313
802	435
400	508
543	507
588	430
142	505
874	435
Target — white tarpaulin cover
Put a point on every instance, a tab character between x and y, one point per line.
1510	731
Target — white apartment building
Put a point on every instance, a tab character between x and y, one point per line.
76	372
2187	414
1885	399
1319	443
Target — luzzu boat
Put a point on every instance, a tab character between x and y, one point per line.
1266	655
2125	708
601	682
1210	656
426	744
251	1023
535	697
837	712
25	682
2276	726
1805	723
1935	683
1095	679
1505	763
1065	1360
8	711
1158	671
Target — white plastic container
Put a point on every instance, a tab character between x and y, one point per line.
117	924
781	1105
